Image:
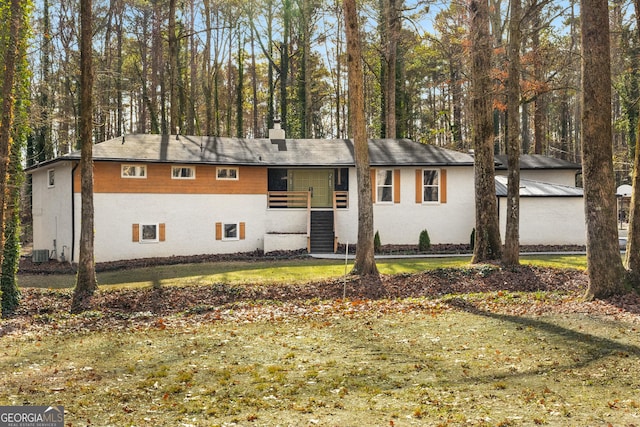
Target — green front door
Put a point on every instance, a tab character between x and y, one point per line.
318	181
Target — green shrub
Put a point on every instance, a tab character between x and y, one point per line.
377	246
9	292
424	243
472	239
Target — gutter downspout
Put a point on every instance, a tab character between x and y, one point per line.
73	213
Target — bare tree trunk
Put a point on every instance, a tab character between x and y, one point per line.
191	115
604	265
338	79
206	73
174	50
539	105
240	88
455	69
86	282
365	263
632	254
392	24
511	255
120	128
487	241
284	62
254	87
271	107
229	84
304	70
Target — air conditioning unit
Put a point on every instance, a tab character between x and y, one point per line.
40	255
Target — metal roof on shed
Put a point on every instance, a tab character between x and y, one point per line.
529	188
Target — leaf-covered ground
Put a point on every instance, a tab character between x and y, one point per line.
523	290
479	347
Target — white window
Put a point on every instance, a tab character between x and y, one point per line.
133	171
149	233
51	178
384	185
231	231
227	173
183	172
430	185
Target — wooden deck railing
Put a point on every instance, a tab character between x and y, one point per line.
340	200
289	199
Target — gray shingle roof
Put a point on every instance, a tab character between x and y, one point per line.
537	161
530	188
288	152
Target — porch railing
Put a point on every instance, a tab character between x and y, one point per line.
340	200
289	199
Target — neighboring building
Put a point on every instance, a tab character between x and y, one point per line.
536	167
550	214
161	195
551	205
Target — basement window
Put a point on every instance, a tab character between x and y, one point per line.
183	172
227	231
231	231
149	233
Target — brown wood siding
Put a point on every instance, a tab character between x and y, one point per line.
396	186
443	186
135	233
107	179
374	190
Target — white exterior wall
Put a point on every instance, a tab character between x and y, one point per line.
548	220
284	242
189	220
401	223
51	210
346	220
286	221
285	230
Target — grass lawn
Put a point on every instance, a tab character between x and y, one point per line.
291	271
452	360
353	366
